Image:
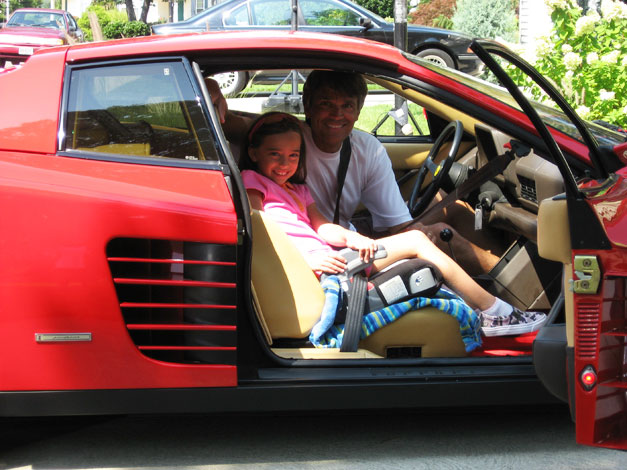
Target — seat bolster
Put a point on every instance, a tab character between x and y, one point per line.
554	231
288	292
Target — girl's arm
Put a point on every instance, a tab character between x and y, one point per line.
331	263
337	235
256	199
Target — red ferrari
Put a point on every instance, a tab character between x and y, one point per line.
136	279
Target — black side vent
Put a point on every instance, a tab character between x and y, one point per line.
528	189
178	299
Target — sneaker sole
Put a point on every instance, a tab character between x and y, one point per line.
519	329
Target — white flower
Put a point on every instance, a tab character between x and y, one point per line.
414	3
561	4
624	61
543	46
586	24
611	57
572	61
567	81
583	111
566	48
605	95
592	57
613	10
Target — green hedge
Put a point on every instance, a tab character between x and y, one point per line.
384	8
113	23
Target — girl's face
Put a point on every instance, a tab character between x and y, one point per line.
277	156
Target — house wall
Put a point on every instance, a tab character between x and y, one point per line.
534	20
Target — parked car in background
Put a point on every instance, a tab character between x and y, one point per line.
30	29
442	47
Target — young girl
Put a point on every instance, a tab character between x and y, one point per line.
273	171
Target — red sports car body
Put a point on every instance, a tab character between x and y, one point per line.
135	278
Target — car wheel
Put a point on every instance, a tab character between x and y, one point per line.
231	83
438	57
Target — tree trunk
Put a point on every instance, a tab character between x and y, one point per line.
144	13
130	11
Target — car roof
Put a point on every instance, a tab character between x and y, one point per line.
239	40
41	10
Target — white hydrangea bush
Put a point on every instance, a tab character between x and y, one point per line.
586	57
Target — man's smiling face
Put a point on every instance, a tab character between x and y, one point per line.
331	116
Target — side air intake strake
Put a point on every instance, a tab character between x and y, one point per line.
178	299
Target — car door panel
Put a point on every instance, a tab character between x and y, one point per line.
98	273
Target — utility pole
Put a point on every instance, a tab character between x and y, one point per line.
400	41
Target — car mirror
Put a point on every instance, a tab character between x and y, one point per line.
365	23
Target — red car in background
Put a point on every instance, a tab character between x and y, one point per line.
136	279
30	29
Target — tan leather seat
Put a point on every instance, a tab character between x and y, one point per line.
289	301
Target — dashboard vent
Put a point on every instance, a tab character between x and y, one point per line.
178	299
528	189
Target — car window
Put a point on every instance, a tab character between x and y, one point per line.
237	17
382	117
271	12
51	20
138	109
327	13
380	114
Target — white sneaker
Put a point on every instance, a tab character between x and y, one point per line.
516	323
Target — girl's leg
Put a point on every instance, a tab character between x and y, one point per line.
415	244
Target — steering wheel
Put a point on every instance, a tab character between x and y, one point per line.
418	204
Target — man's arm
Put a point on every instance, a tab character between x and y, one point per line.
234	124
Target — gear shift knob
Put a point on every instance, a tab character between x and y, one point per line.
446	235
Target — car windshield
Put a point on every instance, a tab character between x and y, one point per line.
552	117
35	18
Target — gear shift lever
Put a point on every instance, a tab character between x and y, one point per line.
446	235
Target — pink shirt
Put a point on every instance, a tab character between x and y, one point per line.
288	207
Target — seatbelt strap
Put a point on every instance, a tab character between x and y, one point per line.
495	167
354	313
345	157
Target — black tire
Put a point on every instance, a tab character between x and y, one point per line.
437	57
231	83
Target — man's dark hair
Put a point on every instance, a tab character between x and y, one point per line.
346	83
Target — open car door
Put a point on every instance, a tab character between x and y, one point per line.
584	360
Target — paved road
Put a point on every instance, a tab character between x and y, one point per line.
501	439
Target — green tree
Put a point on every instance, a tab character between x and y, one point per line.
433	13
15	4
384	8
486	19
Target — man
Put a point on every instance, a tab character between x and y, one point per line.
332	102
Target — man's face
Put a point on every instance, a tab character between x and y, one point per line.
332	116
